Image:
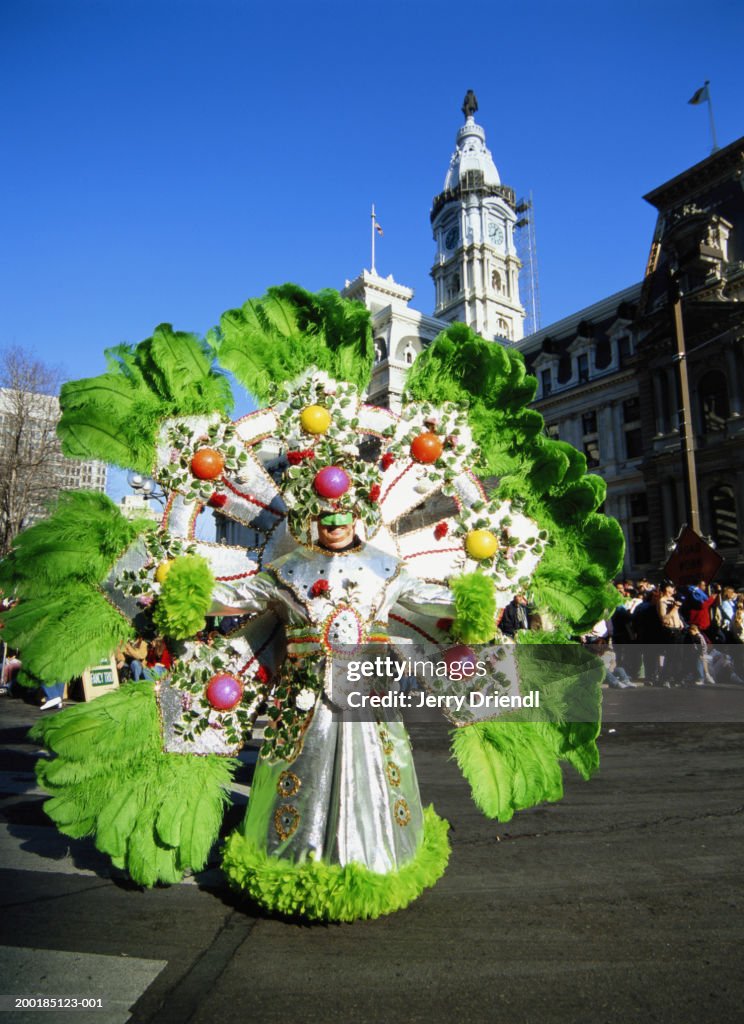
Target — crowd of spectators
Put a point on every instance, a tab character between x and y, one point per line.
673	636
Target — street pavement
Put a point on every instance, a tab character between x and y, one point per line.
622	903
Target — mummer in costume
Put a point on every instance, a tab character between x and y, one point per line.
362	527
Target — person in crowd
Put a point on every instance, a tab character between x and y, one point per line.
51	696
697	605
615	675
11	665
736	632
696	636
158	659
728	607
623	637
132	656
515	616
668	607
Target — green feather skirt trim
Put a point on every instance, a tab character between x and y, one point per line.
331	892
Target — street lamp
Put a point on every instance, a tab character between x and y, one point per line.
146	486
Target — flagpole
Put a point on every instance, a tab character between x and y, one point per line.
373	240
712	122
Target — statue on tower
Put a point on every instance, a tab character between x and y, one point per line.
469	104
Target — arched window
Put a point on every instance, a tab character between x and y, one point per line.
410	356
714	401
496	281
380	350
723	516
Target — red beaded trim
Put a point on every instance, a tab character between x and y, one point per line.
250	498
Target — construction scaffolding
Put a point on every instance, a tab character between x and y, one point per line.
524	238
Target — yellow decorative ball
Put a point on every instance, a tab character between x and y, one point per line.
162	571
315	419
481	544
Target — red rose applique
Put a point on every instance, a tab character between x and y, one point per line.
294	458
374	492
441	530
263	675
444	624
387	460
319	588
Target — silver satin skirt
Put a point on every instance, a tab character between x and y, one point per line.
350	796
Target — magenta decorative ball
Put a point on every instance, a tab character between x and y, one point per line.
224	692
331	482
460	661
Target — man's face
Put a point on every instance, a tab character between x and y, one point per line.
336	537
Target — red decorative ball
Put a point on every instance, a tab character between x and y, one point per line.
427	448
207	464
331	482
218	500
224	692
461	660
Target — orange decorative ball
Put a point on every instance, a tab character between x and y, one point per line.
427	448
207	464
315	419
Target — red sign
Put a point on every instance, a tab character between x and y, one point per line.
692	560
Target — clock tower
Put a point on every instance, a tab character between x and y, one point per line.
476	268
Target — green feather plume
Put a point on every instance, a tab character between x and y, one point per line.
271	340
185	597
62	623
475	608
116	416
513	762
153	813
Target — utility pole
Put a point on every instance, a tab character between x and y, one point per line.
686	426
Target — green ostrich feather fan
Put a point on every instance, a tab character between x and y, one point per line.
271	340
62	623
116	416
154	814
545	478
514	762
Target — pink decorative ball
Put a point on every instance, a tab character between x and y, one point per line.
331	482
464	658
224	692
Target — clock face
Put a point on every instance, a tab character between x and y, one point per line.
450	239
495	233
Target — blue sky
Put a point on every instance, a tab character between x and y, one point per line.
165	161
